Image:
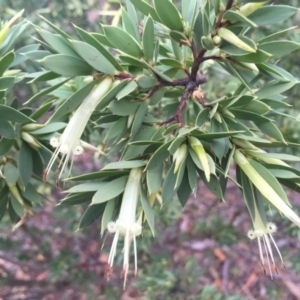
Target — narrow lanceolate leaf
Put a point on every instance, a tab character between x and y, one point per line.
91	40
94	58
169	14
147	210
91	214
25	163
266	190
272	14
10	114
110	190
65	65
279	48
148	39
235	16
121	40
146	9
230	37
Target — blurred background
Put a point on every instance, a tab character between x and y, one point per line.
201	252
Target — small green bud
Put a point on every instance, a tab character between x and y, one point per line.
30	140
32	126
217	40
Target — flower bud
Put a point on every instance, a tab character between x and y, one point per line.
179	156
217	40
198	148
30	140
32	126
250	8
207	43
5	30
231	38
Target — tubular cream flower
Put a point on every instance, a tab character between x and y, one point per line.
263	234
126	224
69	144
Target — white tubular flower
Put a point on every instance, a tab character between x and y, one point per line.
263	233
126	224
69	144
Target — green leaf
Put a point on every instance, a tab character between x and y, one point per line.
233	50
236	16
85	187
220	146
77	199
107	215
130	164
6	129
282	156
159	157
110	190
184	190
169	14
91	214
94	58
91	40
274	88
248	193
154	179
5	61
133	18
58	30
147	210
250	116
117	129
58	43
49	128
202	117
128	25
279	48
257	107
11	174
157	96
171	62
270	179
123	107
139	117
258	57
122	41
3	200
17	206
146	9
176	143
272	14
65	65
213	185
31	194
72	102
46	91
129	88
189	10
270	129
274	35
112	93
146	82
8	113
5	145
132	61
168	189
192	173
25	163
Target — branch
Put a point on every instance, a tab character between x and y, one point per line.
228	6
197	63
